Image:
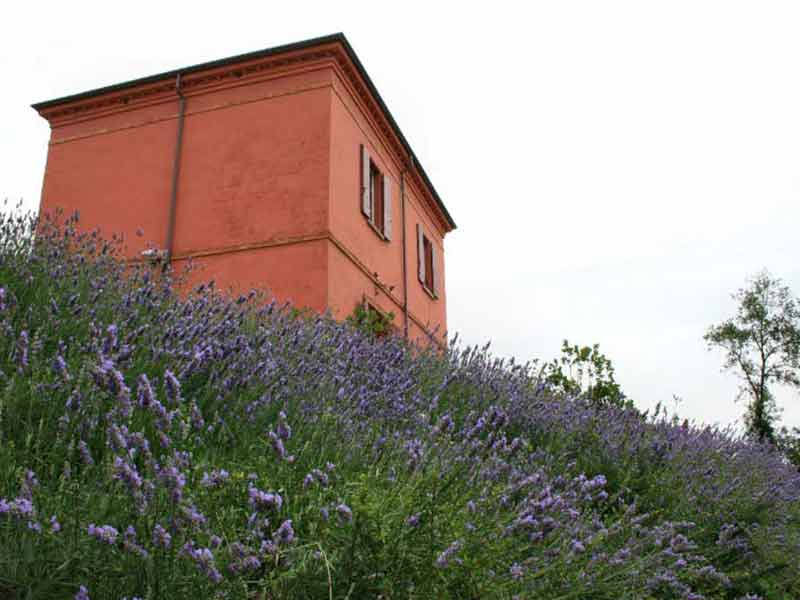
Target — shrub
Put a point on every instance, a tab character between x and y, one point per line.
167	445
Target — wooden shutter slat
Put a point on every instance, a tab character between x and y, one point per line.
387	207
366	195
420	255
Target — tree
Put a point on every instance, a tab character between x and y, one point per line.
762	345
586	372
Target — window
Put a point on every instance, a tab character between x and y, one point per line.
376	192
428	249
376	196
427	263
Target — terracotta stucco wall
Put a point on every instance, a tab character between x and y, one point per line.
350	128
252	203
116	171
297	273
254	170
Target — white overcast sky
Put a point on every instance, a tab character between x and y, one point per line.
616	169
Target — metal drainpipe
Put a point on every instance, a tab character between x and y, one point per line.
405	267
176	169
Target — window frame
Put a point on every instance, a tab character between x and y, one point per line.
375	196
376	183
427	259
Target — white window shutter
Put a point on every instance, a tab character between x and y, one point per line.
387	207
420	255
366	194
435	261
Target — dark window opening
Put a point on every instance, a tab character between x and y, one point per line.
428	248
376	196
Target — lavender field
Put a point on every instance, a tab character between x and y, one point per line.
162	446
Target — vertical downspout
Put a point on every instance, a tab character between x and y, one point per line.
176	169
405	267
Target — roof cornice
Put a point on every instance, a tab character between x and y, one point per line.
236	68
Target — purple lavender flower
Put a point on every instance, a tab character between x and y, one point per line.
130	544
83	594
20	508
415	452
109	377
260	500
74	401
86	456
145	395
316	475
193	516
238	550
284	535
251	563
197	417
413	520
277	445
174	481
731	538
204	559
127	473
29	484
60	367
448	554
214	479
105	533
110	342
173	387
598	481
161	537
55	526
117	437
680	543
283	429
344	512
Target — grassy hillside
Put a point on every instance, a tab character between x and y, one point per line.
159	447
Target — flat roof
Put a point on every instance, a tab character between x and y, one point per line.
305	44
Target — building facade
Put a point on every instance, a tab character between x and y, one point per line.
280	170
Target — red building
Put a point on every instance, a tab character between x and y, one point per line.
280	169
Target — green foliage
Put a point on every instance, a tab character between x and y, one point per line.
427	449
371	321
788	440
762	346
584	371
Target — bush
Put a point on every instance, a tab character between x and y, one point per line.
160	445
